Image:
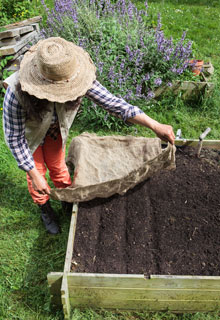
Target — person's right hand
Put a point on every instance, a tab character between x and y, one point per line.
38	182
165	132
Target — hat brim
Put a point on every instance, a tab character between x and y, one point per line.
33	82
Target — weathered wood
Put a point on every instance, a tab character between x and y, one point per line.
23	23
211	144
118	294
36	27
69	251
65	297
20	52
8	50
9	41
148	305
139	281
15	32
188	88
54	281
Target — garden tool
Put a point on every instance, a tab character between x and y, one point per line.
178	134
201	138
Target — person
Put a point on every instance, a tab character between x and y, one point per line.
40	104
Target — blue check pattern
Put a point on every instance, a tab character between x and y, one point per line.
14	118
114	105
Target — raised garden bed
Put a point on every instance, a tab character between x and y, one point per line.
188	88
155	248
203	86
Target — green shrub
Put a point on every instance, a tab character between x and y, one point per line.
3	75
16	10
132	58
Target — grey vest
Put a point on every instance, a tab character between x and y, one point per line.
35	131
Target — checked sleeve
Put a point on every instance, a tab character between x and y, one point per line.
117	106
14	131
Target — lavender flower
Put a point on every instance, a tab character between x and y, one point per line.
147	77
150	95
128	55
158	82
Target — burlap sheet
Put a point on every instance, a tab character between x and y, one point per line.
112	164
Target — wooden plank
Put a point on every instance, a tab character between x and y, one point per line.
52	277
7	50
210	144
23	23
213	144
20	52
67	266
139	281
9	41
188	87
148	305
70	244
15	32
65	298
54	280
36	27
118	294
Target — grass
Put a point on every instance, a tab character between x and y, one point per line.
200	19
27	253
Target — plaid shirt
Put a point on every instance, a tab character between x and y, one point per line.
14	118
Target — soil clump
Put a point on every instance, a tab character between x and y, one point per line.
168	224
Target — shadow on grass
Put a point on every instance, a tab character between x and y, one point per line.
28	253
47	255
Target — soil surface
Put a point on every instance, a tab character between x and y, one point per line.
169	224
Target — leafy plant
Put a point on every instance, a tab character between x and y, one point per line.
132	58
15	10
4	73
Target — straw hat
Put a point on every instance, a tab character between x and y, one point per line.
56	70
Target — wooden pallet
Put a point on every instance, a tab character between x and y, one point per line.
133	292
16	39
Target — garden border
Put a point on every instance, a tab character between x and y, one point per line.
188	88
133	292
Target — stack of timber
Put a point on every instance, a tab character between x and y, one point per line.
16	39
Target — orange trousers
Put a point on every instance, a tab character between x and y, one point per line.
50	156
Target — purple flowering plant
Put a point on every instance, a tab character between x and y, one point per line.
132	58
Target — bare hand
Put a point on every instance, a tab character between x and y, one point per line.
38	182
165	133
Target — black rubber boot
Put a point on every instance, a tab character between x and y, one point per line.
67	207
49	218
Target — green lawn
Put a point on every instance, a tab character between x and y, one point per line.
200	18
27	253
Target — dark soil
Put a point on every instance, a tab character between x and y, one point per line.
169	224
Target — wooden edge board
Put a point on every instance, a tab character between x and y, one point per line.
211	144
177	306
185	277
72	230
65	297
140	281
115	295
54	280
